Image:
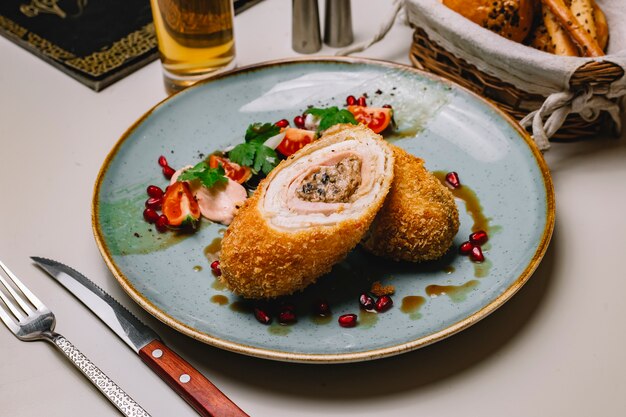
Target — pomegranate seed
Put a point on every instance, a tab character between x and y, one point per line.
466	248
150	215
215	267
366	302
350	100
384	303
282	123
479	238
162	223
168	171
163	161
286	317
322	308
299	122
154	203
452	178
477	254
347	320
362	101
386	106
154	191
261	316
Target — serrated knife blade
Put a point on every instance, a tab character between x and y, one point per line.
128	327
188	382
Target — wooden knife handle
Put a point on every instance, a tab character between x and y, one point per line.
190	384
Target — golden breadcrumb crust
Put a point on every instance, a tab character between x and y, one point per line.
419	218
379	289
261	261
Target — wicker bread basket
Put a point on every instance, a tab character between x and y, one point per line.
595	76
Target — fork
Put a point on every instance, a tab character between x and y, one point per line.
30	324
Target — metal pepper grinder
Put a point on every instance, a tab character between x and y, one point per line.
305	28
338	23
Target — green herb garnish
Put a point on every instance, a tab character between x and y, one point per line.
331	116
243	154
208	176
253	153
265	159
260	132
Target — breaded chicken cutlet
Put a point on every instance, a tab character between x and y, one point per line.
310	211
419	218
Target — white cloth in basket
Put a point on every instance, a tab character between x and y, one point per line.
526	68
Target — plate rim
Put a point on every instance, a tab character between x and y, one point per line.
326	358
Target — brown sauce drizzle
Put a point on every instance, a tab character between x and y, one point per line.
212	253
472	203
218	285
481	222
213	249
482	269
317	319
240	307
219	299
412	303
456	293
367	319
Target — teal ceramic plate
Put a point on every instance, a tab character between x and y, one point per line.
506	190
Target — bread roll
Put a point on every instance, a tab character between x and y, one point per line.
602	27
310	211
563	14
561	43
583	12
540	39
510	18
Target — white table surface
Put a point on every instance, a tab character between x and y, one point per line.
555	349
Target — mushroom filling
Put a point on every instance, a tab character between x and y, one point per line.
332	184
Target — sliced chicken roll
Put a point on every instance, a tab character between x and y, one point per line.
306	216
419	218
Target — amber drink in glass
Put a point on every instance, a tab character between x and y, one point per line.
195	38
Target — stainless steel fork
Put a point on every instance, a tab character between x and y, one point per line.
29	319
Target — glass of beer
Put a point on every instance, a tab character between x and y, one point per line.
195	38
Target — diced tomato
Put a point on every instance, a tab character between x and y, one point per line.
376	118
294	140
232	170
180	207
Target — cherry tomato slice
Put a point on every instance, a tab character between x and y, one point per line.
179	206
376	118
294	140
232	170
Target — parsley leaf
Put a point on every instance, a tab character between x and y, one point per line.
331	116
243	154
266	159
260	132
207	176
253	153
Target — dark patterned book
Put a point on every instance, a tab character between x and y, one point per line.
96	42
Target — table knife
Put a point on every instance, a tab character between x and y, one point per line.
188	382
